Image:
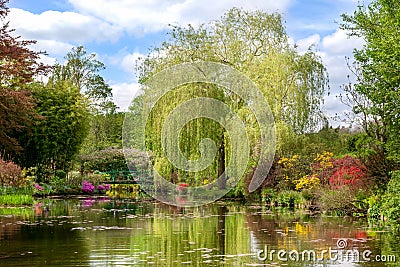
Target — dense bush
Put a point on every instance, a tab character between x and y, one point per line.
339	201
10	174
390	207
338	172
114	159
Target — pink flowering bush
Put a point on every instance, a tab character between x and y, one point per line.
87	187
103	187
10	174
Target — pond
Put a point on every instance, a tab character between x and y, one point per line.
115	232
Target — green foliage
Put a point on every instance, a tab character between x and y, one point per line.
339	202
16	200
390	208
290	198
256	44
82	71
378	80
105	131
268	195
113	159
57	137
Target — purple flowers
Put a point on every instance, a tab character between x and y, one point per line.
38	187
87	187
103	187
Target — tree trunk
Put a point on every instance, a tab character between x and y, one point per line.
221	166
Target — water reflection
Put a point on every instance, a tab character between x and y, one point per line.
111	232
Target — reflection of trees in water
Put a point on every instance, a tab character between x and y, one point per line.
303	232
8	228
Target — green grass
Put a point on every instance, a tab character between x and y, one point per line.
16	200
24	212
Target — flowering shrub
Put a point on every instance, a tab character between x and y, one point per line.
10	173
87	187
346	175
323	166
307	182
38	187
348	171
340	172
288	162
289	170
103	187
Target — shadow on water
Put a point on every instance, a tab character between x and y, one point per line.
122	232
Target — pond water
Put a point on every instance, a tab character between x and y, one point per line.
110	232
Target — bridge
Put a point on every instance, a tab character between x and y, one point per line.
127	177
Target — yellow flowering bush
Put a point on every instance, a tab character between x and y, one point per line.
307	182
325	159
288	162
291	168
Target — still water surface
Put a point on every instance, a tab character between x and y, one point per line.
107	232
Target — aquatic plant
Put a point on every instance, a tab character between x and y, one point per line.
16	200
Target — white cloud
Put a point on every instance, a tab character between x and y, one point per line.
139	17
47	60
340	43
61	26
128	62
124	93
304	44
53	46
333	49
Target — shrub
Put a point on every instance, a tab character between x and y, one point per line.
307	182
347	175
339	201
268	195
391	201
291	169
346	171
114	159
87	187
16	200
10	174
290	198
103	187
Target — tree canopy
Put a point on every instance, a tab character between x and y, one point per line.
18	67
379	66
254	43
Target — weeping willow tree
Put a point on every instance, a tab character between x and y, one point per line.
254	43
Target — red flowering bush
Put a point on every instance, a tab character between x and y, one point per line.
346	175
340	172
10	173
348	171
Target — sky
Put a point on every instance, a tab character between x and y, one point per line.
120	31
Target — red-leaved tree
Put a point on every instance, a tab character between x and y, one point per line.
18	67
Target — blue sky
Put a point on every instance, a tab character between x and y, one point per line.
119	31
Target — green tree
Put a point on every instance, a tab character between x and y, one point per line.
18	67
105	131
379	63
61	129
82	70
256	44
